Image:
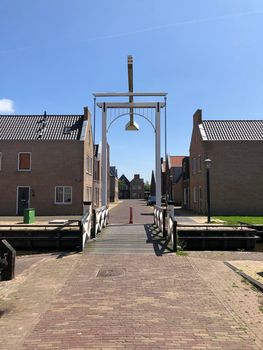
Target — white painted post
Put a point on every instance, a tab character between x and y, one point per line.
104	157
158	154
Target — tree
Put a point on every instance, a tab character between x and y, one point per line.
146	186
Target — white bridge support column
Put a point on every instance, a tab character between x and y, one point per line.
104	164
158	155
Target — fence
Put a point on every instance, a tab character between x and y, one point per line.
165	222
203	236
100	220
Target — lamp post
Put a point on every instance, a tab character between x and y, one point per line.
208	162
171	188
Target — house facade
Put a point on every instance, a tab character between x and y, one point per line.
137	187
235	149
124	187
46	163
172	182
114	184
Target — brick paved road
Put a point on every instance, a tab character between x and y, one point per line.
144	302
132	301
142	214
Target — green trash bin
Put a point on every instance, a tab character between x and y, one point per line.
29	216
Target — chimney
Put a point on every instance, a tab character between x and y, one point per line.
197	117
86	113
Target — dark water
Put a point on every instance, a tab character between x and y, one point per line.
259	247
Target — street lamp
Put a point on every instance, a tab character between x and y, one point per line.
208	162
171	188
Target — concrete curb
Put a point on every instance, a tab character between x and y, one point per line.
244	275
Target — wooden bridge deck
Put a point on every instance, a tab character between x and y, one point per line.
121	239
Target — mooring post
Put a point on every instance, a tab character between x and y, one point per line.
131	216
174	233
94	219
9	256
164	223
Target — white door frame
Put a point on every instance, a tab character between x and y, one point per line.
17	192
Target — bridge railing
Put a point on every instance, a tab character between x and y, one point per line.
100	220
159	214
7	261
165	222
86	223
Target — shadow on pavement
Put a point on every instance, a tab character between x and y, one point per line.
160	244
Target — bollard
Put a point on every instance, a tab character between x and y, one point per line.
131	217
174	233
164	223
8	261
93	223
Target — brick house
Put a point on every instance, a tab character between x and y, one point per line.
236	150
114	184
172	181
186	183
124	187
137	187
46	163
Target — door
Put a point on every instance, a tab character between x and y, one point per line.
22	199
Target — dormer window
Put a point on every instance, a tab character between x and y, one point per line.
67	130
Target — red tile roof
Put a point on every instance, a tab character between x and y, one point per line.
176	161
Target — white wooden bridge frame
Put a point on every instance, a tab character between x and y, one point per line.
157	106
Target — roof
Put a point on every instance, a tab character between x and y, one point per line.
176	161
124	178
113	171
40	127
231	130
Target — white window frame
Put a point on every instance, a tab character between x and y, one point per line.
63	203
18	159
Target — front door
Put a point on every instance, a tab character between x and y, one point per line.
22	199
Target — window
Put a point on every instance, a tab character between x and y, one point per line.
24	161
63	195
194	165
88	193
199	165
195	195
89	165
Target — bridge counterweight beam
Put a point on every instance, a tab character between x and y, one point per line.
104	157
158	154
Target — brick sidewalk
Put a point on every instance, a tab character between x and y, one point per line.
134	302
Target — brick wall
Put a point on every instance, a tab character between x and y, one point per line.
53	163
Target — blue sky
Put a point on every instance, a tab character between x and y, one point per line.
206	54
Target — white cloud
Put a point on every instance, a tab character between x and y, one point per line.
6	106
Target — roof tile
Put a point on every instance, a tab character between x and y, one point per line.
232	130
40	127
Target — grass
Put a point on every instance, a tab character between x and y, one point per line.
234	220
